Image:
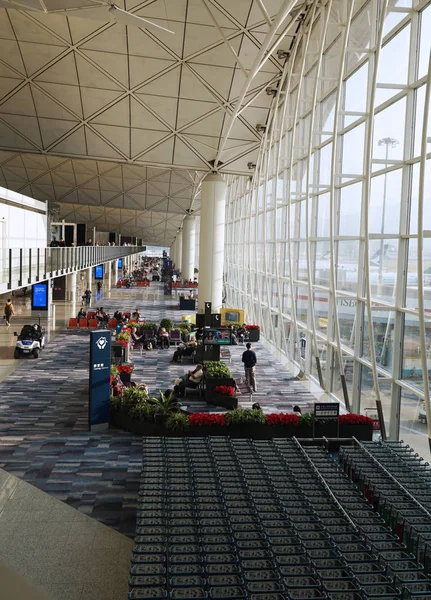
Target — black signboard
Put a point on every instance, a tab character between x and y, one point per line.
326	410
100	370
216	320
207	313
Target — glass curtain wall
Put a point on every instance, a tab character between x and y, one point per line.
329	243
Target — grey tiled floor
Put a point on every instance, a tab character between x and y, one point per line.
49	550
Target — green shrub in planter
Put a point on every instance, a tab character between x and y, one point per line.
184	327
168	324
114	371
164	405
245	416
133	396
143	411
306	419
217	369
150	326
177	422
115	403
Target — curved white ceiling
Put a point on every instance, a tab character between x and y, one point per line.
120	123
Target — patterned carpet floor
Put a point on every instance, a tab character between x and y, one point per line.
44	436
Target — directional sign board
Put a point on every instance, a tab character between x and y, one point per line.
100	370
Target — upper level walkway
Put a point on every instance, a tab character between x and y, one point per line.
21	267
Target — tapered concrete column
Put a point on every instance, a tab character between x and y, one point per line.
211	248
179	251
188	255
174	251
115	265
90	278
108	267
71	287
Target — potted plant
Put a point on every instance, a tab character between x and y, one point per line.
168	324
208	423
125	372
358	426
178	423
246	422
217	373
253	333
163	406
149	325
222	395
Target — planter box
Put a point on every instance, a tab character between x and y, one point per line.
253	335
213	382
262	432
215	399
360	432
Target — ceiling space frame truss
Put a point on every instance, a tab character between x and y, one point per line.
113	119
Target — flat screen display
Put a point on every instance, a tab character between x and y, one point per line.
98	272
120	263
39	296
232	317
218	337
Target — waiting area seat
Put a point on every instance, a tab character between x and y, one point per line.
73	323
92	323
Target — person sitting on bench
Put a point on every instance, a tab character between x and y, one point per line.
183	350
191	380
163	338
82	314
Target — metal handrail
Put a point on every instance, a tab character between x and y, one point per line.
24	266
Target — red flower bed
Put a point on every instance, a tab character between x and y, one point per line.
250	327
125	369
207	419
123	343
226	390
282	419
352	419
111	379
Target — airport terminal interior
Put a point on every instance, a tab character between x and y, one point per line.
215	281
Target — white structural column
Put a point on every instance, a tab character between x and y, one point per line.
179	251
71	287
115	265
89	278
211	249
108	267
188	256
173	250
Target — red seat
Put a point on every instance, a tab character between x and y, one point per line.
112	323
90	314
73	323
83	323
92	323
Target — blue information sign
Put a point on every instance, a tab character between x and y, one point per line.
120	263
39	296
100	370
98	272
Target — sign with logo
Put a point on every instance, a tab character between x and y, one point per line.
120	263
326	410
207	312
216	320
39	296
100	370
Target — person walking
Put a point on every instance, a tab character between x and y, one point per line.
249	359
8	312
